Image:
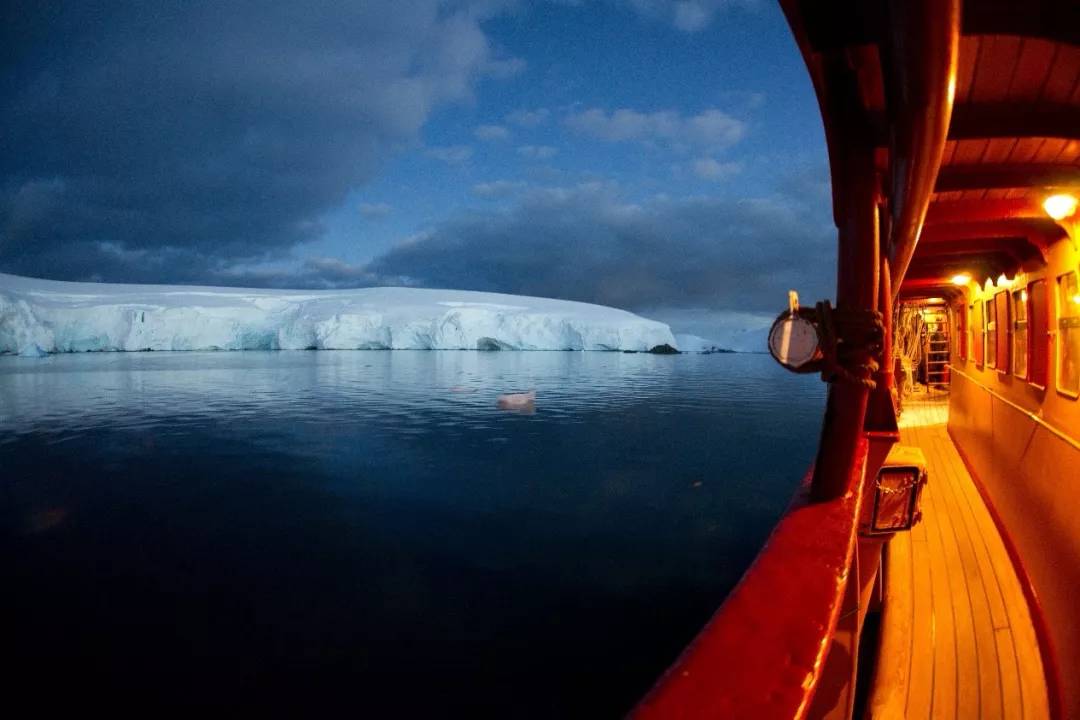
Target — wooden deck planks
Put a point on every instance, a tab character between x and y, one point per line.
923	633
973	647
979	636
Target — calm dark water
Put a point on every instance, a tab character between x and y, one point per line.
291	530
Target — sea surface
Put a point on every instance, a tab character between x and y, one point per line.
285	531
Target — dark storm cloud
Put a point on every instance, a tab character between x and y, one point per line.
207	131
583	243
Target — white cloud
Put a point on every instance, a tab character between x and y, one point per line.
529	118
451	154
711	128
537	152
686	15
504	68
708	168
375	211
691	16
491	132
356	81
592	243
498	188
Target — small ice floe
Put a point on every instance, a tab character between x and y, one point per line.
462	389
518	402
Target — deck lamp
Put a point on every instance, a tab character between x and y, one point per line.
961	279
897	492
1060	206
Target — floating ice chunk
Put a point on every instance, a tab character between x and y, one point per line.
518	402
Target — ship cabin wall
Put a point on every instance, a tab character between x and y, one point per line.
1014	414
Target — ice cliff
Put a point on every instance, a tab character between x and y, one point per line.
46	316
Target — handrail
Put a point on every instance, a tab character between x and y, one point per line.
924	44
762	654
1037	419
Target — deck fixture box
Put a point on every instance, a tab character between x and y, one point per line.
897	491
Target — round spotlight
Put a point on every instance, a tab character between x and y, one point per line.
1060	206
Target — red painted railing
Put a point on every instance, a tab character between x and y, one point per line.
762	653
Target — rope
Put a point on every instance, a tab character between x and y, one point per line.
850	341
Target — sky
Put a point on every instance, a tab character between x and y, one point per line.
663	156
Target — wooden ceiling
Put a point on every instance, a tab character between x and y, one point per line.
1014	132
1014	138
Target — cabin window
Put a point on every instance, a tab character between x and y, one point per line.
1004	335
1039	319
990	323
1020	334
1068	355
977	331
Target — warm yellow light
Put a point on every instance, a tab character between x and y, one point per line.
1060	206
961	279
1023	296
1076	298
1003	282
935	301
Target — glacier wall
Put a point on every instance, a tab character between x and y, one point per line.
46	316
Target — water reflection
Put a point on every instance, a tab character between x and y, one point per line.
356	523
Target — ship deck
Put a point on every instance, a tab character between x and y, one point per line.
957	638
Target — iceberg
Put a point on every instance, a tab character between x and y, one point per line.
48	316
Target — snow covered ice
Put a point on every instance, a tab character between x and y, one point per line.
695	344
47	316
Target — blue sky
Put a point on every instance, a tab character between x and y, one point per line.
570	59
665	156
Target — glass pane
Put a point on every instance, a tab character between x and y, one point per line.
1020	336
1020	305
1020	333
977	332
1070	295
1070	360
895	490
1037	296
989	312
1068	334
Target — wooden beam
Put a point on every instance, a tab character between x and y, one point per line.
1017	249
979	269
1012	120
1040	231
1005	175
968	211
840	24
1001	260
1056	20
